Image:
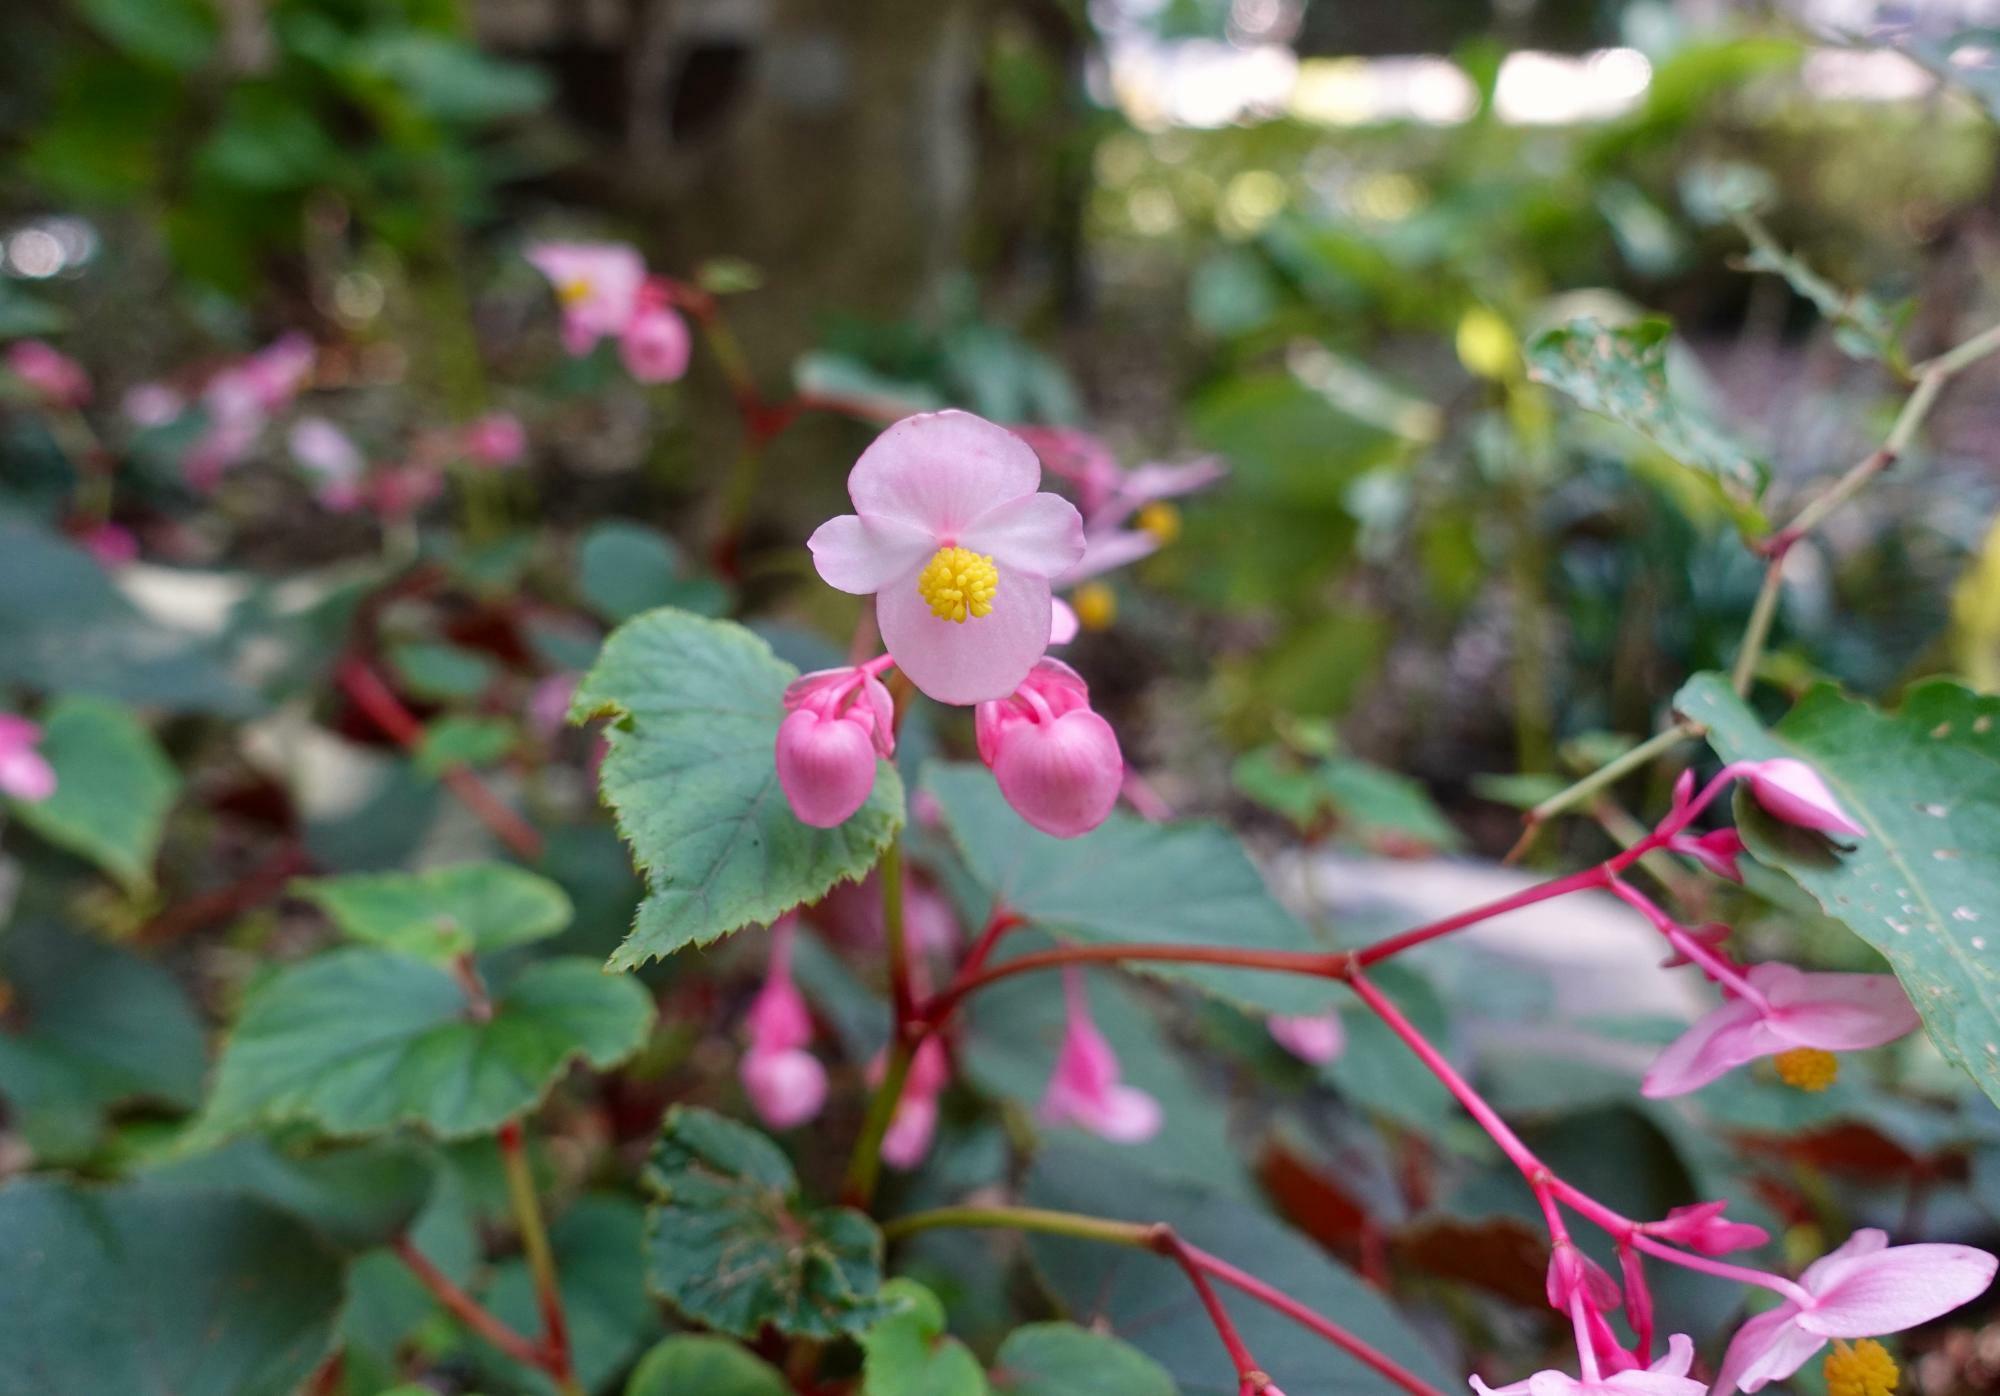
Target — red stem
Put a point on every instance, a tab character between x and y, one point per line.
256	887
467	1310
387	712
1252	1378
997	926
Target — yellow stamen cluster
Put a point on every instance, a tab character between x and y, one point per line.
1862	1368
1095	604
1807	1068
1161	520
958	583
574	290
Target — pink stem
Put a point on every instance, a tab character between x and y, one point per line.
1742	1274
1710	963
1541	892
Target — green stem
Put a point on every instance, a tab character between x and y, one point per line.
1615	770
1042	1219
527	1210
864	1167
1758	632
890	872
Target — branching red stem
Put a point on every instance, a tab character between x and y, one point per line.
467	1310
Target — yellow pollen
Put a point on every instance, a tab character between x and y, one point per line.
958	583
1095	604
1863	1368
1807	1068
1161	520
576	289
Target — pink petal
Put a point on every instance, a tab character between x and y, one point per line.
1822	1273
1552	1383
979	659
1727	1037
1678	1357
942	470
1512	1388
1106	552
1145	483
826	767
1062	776
1795	793
1645	1383
1842	1012
1770	1347
655	346
1063	624
1039	533
787	1088
26	776
910	1132
864	553
1895	1289
1315	1038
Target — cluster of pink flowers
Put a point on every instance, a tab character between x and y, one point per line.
606	293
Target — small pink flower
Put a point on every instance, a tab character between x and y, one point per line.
914	1124
330	456
1863	1290
786	1084
1829	1012
220	448
598	285
400	491
1085	1089
956	542
1716	850
24	773
1317	1038
112	545
496	440
152	405
1668	1376
1055	760
837	721
251	390
656	345
56	378
1794	792
1702	1227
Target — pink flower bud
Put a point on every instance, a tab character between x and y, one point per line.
1316	1038
1085	1089
113	545
56	378
656	345
914	1124
785	1083
839	721
1573	1273
785	1088
496	440
1794	792
1717	851
1702	1227
24	773
152	405
1056	761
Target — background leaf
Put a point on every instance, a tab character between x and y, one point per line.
469	907
114	787
1061	1359
690	1364
908	1353
692	775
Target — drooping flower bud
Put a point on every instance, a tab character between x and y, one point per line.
1056	761
1701	1227
786	1083
1572	1273
1086	1089
1794	792
656	345
837	722
1316	1038
914	1124
1716	850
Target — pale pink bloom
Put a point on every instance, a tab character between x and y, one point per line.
548	703
1794	792
957	543
1143	484
330	456
24	773
1063	624
1077	457
1086	1089
1832	1012
837	721
1314	1037
222	446
257	386
1668	1376
1716	850
1106	550
152	405
656	345
1055	760
914	1124
1863	1290
400	491
597	284
496	440
54	376
786	1084
112	545
1702	1227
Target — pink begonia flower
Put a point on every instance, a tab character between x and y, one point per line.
496	440
1085	1089
1056	762
1863	1290
914	1124
330	456
152	405
1106	493
1716	850
1668	1376
1314	1037
1701	1227
957	543
1830	1012
656	345
24	773
54	376
597	284
837	721
786	1084
112	545
1794	792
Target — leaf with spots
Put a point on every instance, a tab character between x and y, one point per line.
730	1244
695	706
1923	887
1623	374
